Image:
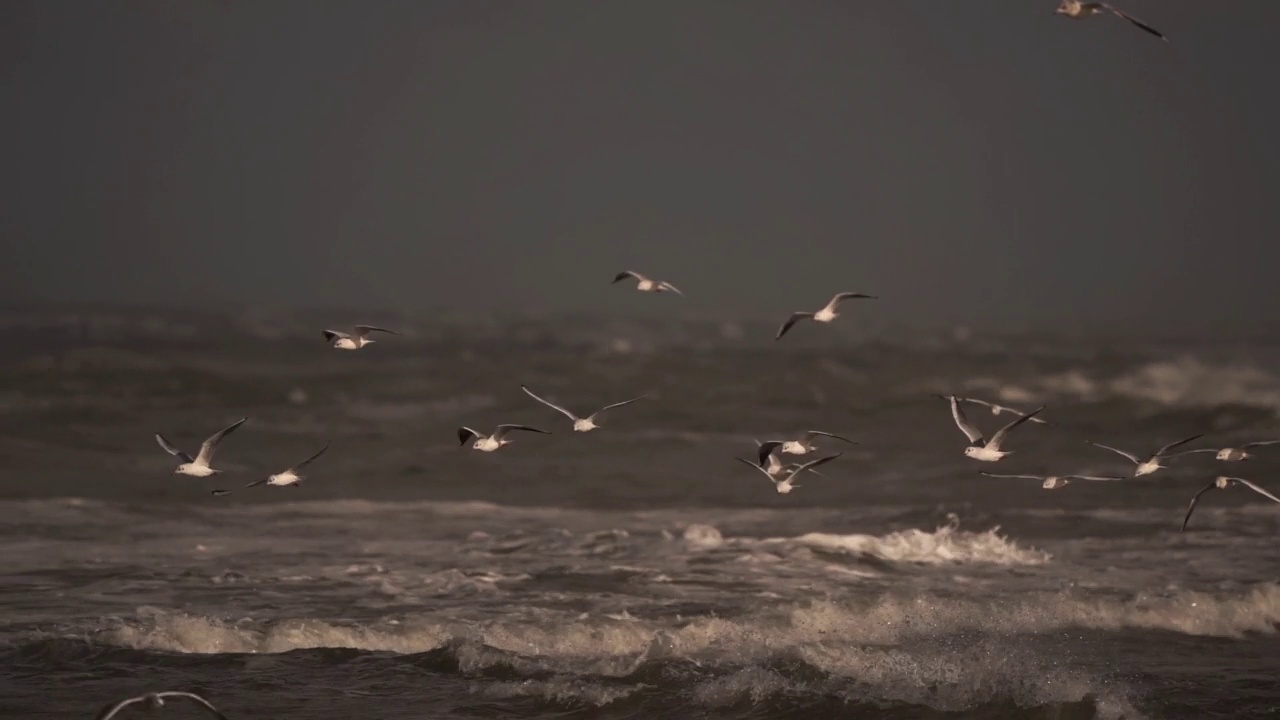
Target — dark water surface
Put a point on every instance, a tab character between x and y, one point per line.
636	571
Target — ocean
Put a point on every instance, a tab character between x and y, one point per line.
637	571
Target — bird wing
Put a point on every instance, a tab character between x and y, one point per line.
256	483
1135	21
772	479
195	699
307	462
1131	456
810	465
766	450
618	404
811	434
976	401
1257	489
208	446
109	711
840	297
216	493
1016	477
957	414
1163	452
502	430
669	286
628	274
169	448
1096	478
1259	443
465	433
1003	432
1192	507
364	330
332	335
791	321
1193	452
549	404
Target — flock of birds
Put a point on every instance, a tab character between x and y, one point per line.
768	460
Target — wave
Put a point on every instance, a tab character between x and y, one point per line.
946	545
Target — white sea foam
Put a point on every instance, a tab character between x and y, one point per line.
946	545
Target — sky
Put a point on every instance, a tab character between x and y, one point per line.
987	163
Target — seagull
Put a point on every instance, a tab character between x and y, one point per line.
997	409
290	476
787	484
489	443
1223	482
587	423
645	284
825	315
767	458
343	341
1079	10
980	449
1152	462
155	700
803	445
1233	454
1053	482
199	467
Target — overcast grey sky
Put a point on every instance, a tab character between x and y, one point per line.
980	162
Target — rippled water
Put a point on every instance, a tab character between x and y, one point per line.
637	571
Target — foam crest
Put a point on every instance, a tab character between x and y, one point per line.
944	546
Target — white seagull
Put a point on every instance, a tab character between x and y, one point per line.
767	458
787	484
645	284
1151	463
1053	482
979	448
344	341
587	423
199	466
1223	482
1233	454
998	409
803	445
489	443
155	700
290	476
1080	10
825	315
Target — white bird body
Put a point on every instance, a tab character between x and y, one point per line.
1151	463
784	485
647	284
580	424
825	315
803	445
199	466
345	341
490	443
980	448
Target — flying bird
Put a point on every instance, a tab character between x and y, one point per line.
155	701
980	448
1233	454
291	476
1222	482
803	445
343	341
767	458
580	424
1151	463
825	315
787	484
1053	482
1080	10
199	466
645	284
489	443
999	409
